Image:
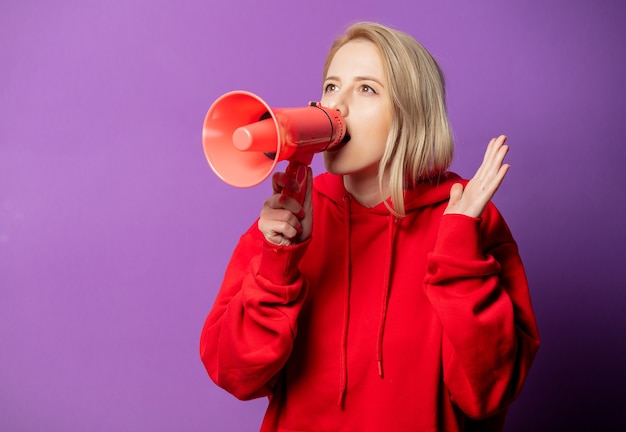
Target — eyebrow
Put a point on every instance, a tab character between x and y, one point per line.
358	78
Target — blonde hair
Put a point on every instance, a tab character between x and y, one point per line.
420	143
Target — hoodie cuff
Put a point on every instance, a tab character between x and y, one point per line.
279	264
459	236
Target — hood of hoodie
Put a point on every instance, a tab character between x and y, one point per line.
430	191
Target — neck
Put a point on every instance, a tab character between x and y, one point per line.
365	189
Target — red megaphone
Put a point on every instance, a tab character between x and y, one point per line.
243	138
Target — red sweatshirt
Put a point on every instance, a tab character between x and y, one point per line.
376	323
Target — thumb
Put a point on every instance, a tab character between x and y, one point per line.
456	191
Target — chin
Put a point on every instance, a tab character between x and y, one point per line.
332	163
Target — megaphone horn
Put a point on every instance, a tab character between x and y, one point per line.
243	138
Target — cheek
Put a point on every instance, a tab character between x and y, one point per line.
377	132
377	120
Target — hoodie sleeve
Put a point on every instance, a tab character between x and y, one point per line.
477	284
248	334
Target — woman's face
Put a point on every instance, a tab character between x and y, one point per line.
355	85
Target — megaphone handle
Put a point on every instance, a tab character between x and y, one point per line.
300	173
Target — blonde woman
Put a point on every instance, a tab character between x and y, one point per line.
394	299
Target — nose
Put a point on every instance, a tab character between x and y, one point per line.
338	101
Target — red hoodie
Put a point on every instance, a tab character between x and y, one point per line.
376	323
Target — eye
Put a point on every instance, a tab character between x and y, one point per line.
330	88
367	89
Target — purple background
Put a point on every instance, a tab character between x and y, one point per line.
114	232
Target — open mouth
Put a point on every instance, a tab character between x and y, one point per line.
340	144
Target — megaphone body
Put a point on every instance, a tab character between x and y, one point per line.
243	138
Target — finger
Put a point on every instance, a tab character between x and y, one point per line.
274	229
278	223
494	184
502	152
285	202
491	148
277	186
494	147
292	205
309	181
500	146
309	190
276	238
496	163
284	182
456	192
500	176
493	159
282	208
487	158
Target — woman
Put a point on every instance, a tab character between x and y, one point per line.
394	299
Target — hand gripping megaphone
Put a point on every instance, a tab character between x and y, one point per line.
243	138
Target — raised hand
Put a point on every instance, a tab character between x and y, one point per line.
283	221
472	199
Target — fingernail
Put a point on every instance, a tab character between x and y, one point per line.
301	173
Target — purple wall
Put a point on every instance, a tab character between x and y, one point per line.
114	232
